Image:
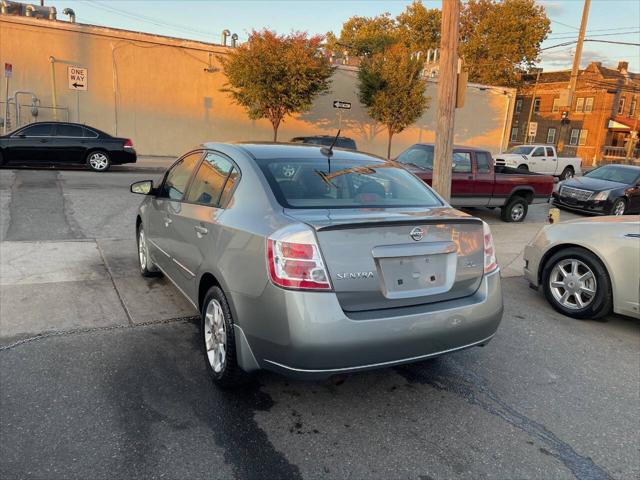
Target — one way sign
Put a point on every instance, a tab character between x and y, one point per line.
77	77
342	105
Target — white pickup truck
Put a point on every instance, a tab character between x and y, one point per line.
540	159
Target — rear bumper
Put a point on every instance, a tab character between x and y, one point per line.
312	337
125	156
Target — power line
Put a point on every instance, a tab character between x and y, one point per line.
590	40
601	34
595	30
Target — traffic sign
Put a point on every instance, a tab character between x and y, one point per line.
341	104
8	70
78	78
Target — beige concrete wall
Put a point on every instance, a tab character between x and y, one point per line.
155	90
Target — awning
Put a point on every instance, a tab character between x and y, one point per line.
617	126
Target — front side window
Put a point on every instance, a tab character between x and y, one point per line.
420	156
39	130
177	178
483	162
353	183
539	152
210	180
551	136
63	130
461	162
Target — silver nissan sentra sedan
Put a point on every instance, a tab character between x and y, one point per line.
312	262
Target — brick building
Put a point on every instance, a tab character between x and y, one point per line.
602	119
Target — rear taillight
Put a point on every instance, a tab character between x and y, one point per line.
128	143
294	260
490	262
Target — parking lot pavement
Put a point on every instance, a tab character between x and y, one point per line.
549	397
101	376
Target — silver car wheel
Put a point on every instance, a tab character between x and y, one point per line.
573	284
618	209
142	249
517	212
215	336
98	161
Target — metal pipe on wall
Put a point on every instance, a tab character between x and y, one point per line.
53	88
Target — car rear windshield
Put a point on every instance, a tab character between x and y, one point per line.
314	183
615	173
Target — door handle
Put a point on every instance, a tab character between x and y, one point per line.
167	221
200	231
43	140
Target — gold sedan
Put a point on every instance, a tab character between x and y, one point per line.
588	268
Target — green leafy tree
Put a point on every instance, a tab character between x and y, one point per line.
367	35
419	27
391	86
273	75
498	40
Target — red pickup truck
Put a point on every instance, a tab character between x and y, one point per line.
476	182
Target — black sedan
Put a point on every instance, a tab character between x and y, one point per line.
65	143
606	190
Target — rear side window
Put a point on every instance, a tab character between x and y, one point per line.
88	133
549	152
68	130
40	130
461	162
175	182
210	180
483	161
419	156
345	184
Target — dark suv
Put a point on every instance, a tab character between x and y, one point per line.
342	142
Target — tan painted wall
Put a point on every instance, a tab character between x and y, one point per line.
155	90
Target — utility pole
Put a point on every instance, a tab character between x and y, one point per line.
576	65
533	101
447	89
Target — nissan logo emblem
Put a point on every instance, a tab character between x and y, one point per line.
416	234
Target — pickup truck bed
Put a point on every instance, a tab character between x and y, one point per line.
476	182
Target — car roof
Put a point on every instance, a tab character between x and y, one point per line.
297	151
322	136
54	122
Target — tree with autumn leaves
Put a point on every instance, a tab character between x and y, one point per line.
392	87
498	39
273	76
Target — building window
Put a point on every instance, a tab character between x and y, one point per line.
518	105
575	135
621	105
551	135
536	105
583	137
588	104
556	105
632	106
514	134
580	104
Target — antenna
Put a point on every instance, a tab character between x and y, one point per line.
329	151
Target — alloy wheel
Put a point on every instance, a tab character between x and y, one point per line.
98	161
215	336
142	250
618	208
517	212
573	284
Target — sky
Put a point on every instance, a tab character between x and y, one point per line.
610	20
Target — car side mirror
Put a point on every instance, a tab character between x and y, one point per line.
143	187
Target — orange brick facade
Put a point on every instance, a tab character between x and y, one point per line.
605	111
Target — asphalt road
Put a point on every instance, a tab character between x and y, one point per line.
125	395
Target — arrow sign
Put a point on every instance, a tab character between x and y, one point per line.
77	77
341	104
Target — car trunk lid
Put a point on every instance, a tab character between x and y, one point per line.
385	258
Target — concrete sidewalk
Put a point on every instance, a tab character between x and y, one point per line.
146	163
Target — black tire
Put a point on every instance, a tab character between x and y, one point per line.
146	265
619	206
230	374
523	167
98	161
515	210
602	300
567	173
1	159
